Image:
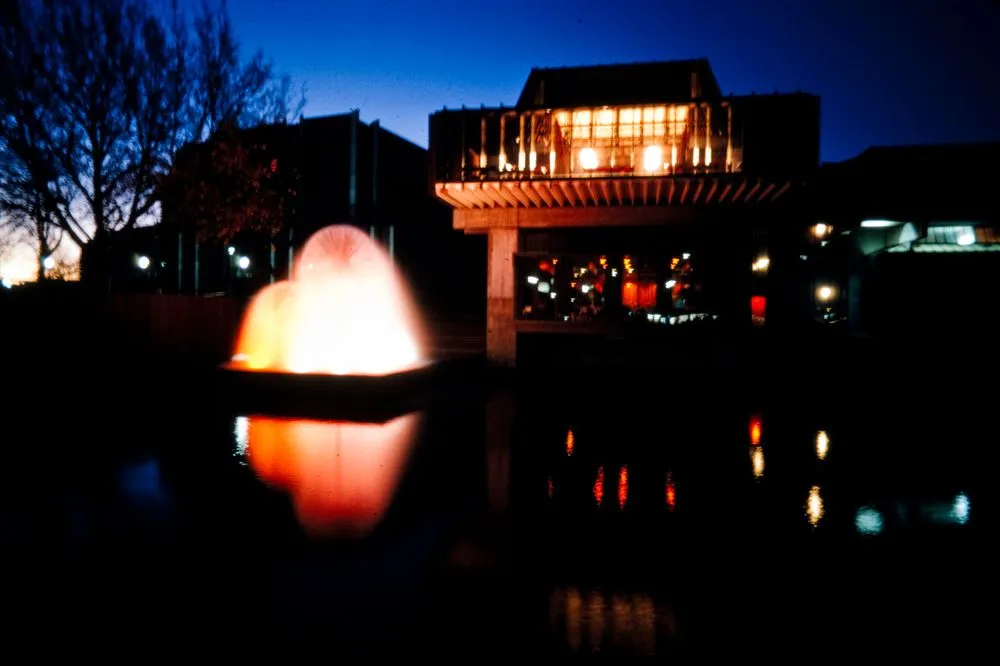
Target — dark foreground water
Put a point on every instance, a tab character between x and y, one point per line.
594	514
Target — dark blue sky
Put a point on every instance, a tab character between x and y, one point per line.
888	71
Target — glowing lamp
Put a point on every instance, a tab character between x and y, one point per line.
588	159
142	262
244	263
652	158
48	263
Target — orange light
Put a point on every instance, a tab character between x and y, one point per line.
341	476
622	486
599	486
671	492
570	442
345	311
755	430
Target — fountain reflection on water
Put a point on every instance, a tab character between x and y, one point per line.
345	311
341	476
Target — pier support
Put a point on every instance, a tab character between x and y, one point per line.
501	329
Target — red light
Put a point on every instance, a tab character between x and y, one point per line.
671	492
622	486
758	306
755	430
599	486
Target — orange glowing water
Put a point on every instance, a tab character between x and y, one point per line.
341	476
345	311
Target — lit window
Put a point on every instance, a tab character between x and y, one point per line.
588	159
652	158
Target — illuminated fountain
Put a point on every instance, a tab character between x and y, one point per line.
342	333
345	311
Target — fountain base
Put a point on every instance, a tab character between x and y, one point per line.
368	398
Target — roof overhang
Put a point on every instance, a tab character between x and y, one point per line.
721	189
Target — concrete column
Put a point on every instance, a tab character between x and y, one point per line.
501	331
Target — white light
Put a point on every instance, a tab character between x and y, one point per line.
820	229
652	158
614	272
48	263
7	283
142	262
966	239
585	288
553	294
878	224
588	159
686	256
544	287
670	284
825	293
532	279
868	521
231	250
244	262
960	511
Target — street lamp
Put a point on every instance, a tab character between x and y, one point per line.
142	262
231	250
244	263
48	263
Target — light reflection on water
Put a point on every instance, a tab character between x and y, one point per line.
341	476
596	621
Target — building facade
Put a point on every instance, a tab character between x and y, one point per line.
342	171
914	241
630	193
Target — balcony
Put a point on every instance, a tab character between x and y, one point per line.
600	142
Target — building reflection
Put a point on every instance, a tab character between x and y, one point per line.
341	476
599	486
499	429
814	506
822	444
757	461
622	486
609	622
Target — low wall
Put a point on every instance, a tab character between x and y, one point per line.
176	325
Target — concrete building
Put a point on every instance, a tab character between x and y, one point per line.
914	241
610	194
343	171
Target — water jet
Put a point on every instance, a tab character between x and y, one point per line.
342	336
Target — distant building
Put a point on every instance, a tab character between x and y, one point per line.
623	192
347	172
914	240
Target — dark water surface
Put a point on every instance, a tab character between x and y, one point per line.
593	514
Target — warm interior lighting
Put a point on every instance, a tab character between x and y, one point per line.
821	230
696	156
345	311
708	155
825	293
341	476
532	160
673	155
552	161
588	159
521	160
652	158
761	264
